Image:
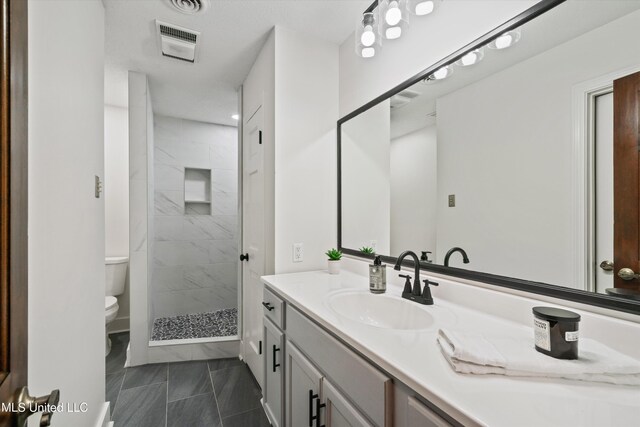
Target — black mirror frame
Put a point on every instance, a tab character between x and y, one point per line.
574	295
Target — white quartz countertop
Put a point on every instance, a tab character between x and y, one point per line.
414	358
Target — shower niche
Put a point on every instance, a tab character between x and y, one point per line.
197	191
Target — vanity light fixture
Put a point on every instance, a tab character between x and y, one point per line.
387	19
506	40
367	35
471	58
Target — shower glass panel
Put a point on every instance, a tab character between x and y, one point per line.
194	277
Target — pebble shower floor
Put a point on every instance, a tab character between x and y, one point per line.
219	323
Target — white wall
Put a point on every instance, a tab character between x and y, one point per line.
306	111
366	180
66	221
116	197
414	186
140	213
455	24
510	165
196	252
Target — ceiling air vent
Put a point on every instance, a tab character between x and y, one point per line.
403	98
191	7
177	42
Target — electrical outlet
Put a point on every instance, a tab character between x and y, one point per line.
452	200
373	244
298	252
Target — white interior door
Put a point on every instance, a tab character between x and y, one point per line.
253	242
604	190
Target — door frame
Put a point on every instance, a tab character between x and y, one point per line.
583	173
13	195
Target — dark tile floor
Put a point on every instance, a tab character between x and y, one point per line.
216	393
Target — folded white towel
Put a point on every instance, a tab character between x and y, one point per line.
474	353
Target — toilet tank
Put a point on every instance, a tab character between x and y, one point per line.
116	273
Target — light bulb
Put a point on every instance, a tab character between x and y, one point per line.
504	41
393	15
368	52
368	37
441	73
393	33
424	8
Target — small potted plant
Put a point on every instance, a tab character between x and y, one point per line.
334	260
367	250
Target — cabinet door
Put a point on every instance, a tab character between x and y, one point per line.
338	410
420	416
302	389
272	392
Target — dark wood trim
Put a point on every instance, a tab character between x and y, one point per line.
13	194
575	295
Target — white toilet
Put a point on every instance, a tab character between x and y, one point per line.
116	273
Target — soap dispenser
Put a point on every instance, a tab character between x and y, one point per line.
377	276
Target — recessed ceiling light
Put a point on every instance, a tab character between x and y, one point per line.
235	117
506	40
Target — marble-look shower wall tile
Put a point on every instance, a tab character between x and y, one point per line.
166	279
207	227
169	177
169	203
168	228
195	256
224	180
224	203
221	251
223	275
169	254
224	156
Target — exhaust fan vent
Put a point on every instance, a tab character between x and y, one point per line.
191	7
177	42
403	98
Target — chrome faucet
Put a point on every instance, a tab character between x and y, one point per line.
451	251
415	294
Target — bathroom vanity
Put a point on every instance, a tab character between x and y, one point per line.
337	355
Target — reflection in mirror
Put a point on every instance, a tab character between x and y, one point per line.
508	155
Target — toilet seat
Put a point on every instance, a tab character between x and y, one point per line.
110	302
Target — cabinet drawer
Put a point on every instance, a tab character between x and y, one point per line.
368	388
273	308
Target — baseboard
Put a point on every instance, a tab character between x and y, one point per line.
104	417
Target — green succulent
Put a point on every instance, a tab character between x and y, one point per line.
334	254
367	250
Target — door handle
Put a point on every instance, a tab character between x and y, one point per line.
275	350
627	274
606	265
318	407
244	257
33	404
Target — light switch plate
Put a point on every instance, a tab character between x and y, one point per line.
452	200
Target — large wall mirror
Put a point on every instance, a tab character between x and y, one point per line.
514	161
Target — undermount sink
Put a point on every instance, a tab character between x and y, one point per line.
381	311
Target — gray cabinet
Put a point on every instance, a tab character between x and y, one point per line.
419	415
272	391
338	411
302	389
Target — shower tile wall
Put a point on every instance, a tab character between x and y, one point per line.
195	267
